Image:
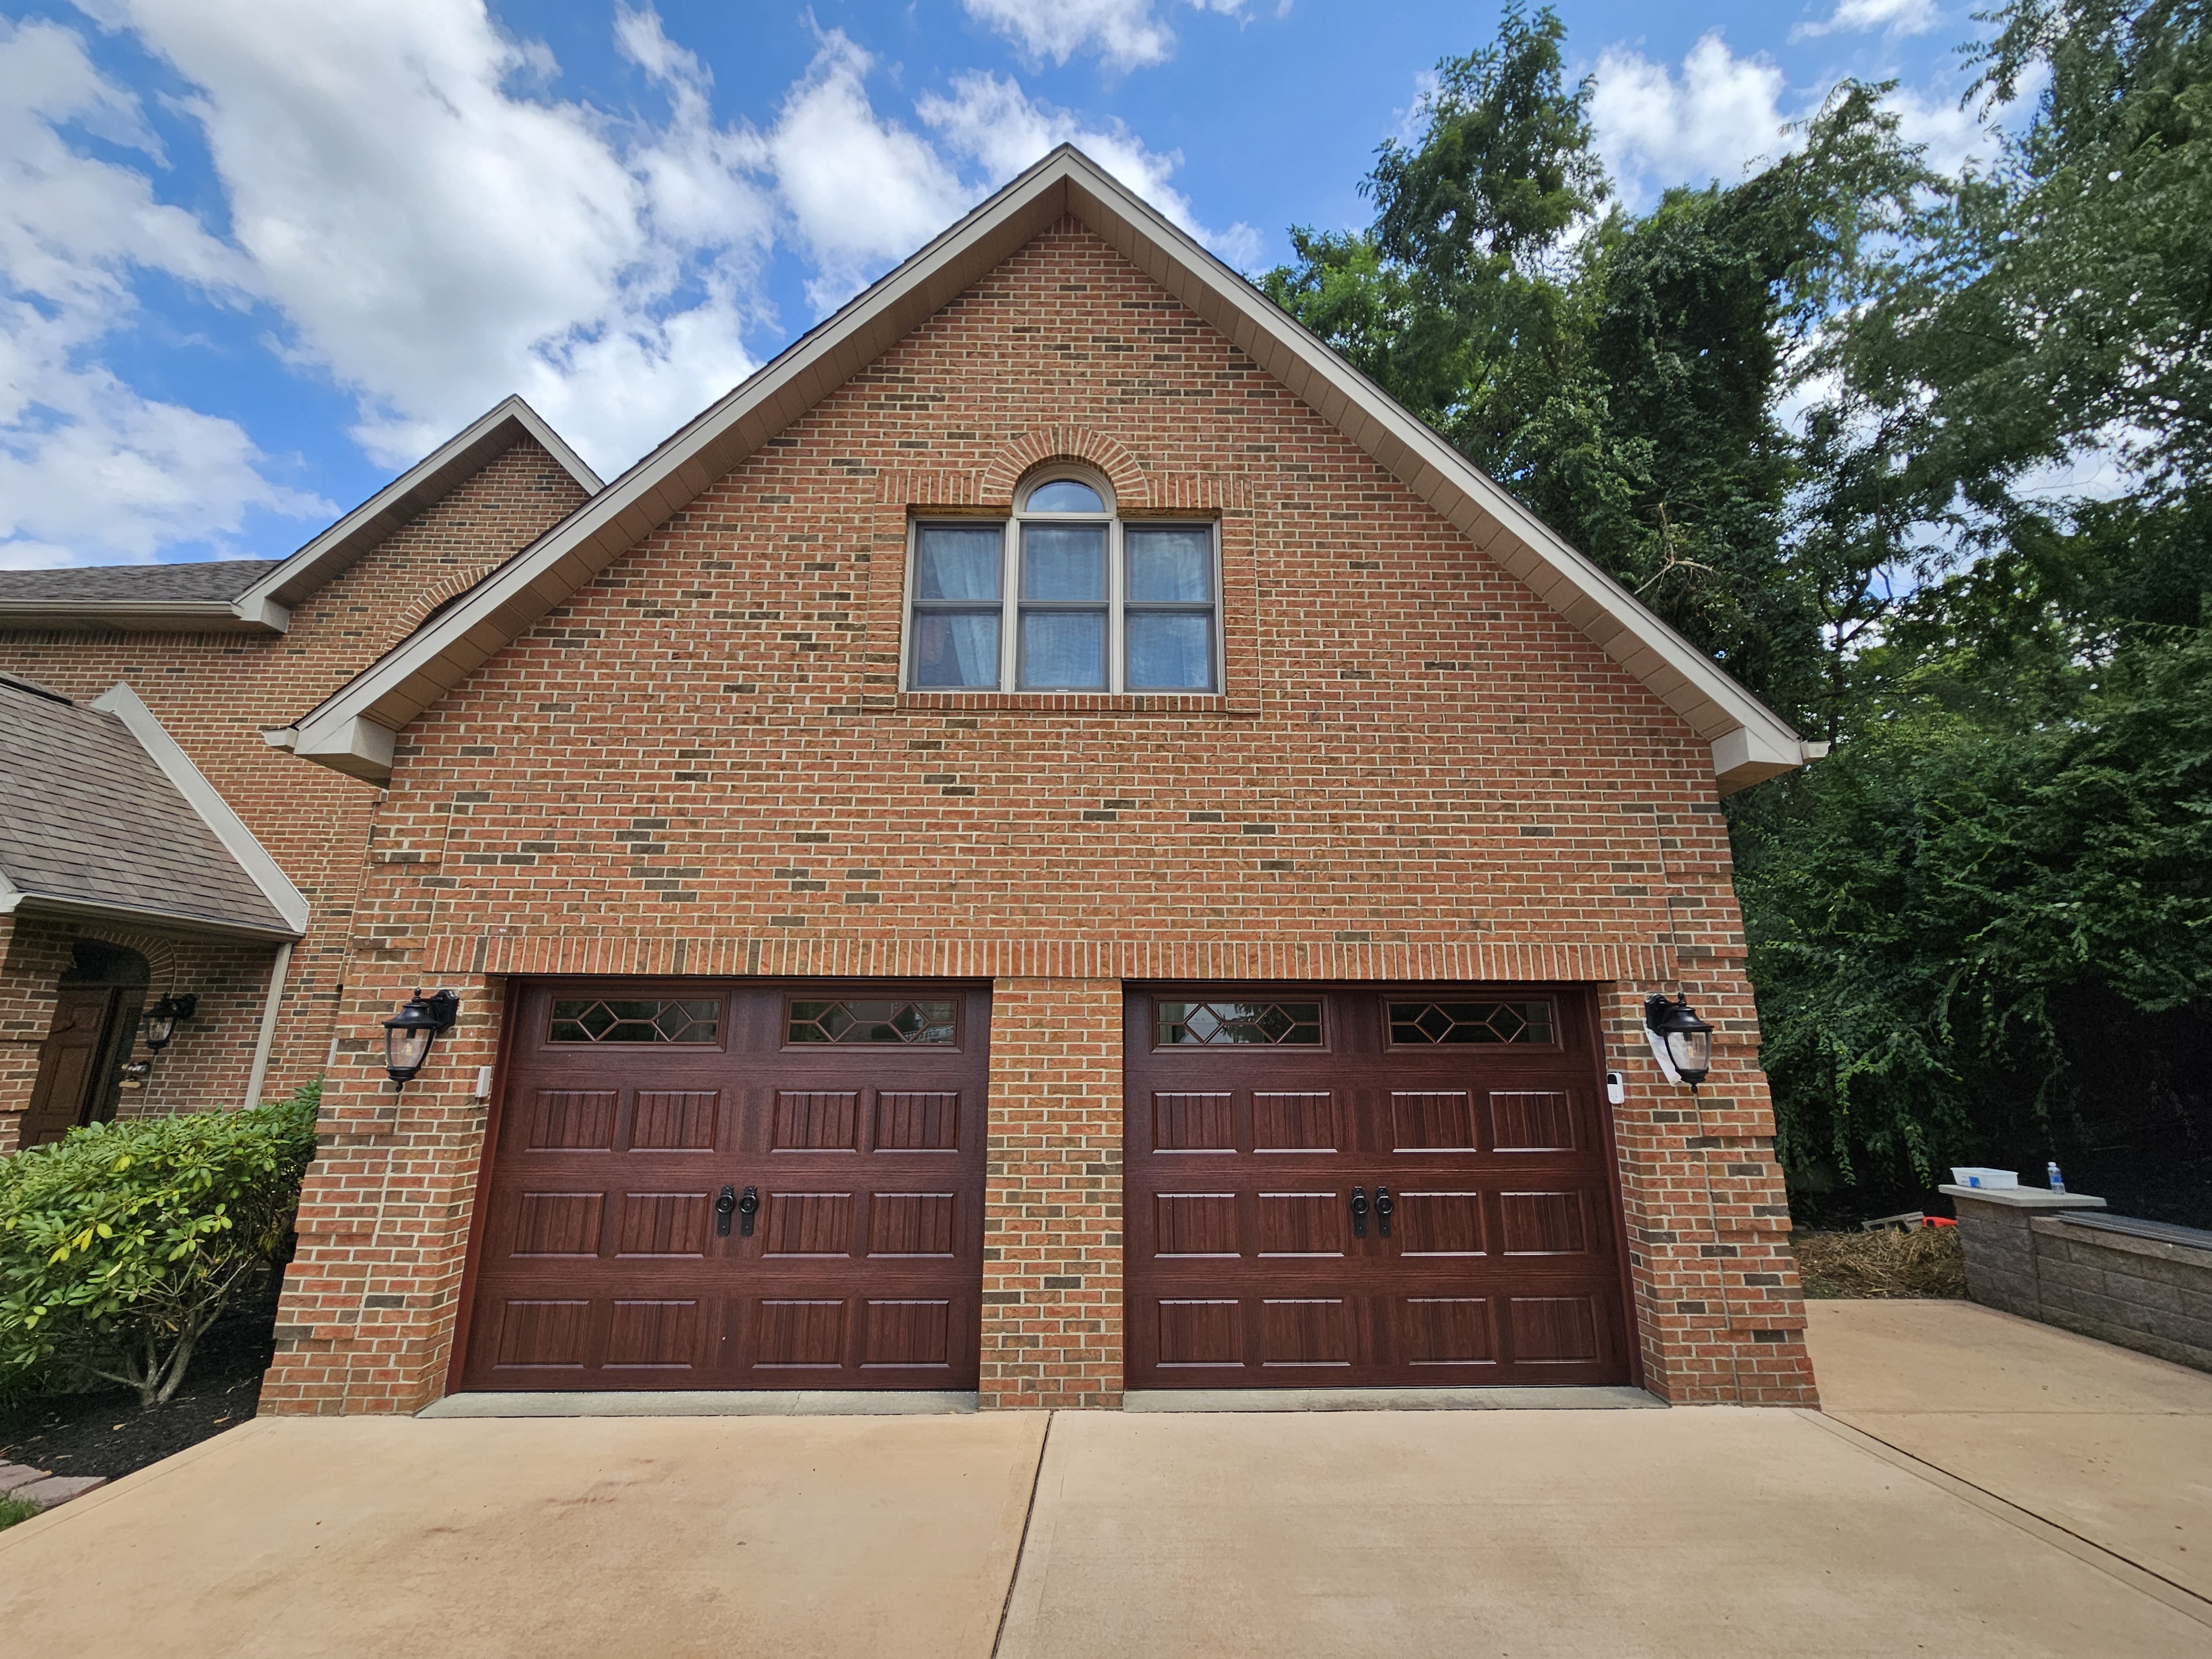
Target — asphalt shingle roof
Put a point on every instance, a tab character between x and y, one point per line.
87	815
217	580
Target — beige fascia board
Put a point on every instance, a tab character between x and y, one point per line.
120	701
173	921
396	689
406	497
351	730
144	616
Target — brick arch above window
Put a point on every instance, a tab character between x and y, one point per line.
1027	452
426	604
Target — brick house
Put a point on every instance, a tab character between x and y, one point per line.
1052	843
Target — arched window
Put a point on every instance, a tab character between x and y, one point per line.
1067	597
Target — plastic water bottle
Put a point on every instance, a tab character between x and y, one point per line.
2058	1181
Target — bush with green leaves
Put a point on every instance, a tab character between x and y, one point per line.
121	1244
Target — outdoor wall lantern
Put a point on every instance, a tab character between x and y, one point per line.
409	1034
160	1020
1682	1041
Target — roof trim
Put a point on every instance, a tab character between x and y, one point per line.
268	603
17	900
126	705
353	730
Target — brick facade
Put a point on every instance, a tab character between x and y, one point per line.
702	764
215	693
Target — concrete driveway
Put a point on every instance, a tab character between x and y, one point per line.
1982	1486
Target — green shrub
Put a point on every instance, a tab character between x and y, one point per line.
122	1244
13	1510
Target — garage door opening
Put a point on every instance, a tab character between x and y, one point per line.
695	1185
1348	1185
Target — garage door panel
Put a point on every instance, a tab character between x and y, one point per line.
1501	1262
1196	1123
1301	1121
570	1121
909	1121
657	1336
670	1225
1439	1223
556	1225
602	1264
817	1122
1186	1225
1447	1332
1302	1223
1533	1121
1433	1120
676	1121
1199	1333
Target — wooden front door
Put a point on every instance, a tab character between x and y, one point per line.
1346	1186
89	1038
710	1186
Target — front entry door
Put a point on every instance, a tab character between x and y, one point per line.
1341	1186
91	1032
710	1186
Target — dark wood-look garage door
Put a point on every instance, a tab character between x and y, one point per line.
1256	1118
853	1115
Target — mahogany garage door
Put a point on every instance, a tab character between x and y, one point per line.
1333	1187
727	1187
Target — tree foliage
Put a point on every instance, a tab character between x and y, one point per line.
123	1243
1832	422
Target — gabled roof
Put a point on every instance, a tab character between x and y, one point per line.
106	817
354	730
257	595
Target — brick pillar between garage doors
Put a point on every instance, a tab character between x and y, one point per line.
1052	1240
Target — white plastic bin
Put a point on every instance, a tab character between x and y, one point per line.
1974	1175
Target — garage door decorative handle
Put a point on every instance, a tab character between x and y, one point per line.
1359	1212
723	1207
1385	1206
748	1207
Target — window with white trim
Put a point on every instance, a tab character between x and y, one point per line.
1066	596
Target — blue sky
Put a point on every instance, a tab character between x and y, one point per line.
255	256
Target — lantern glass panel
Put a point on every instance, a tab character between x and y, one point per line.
406	1047
1692	1051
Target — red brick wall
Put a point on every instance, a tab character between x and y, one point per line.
215	693
702	764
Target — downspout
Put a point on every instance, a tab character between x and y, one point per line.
268	1042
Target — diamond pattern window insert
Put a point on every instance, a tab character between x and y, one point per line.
1285	1024
610	1020
1471	1022
917	1021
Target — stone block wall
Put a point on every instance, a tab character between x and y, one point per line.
2150	1293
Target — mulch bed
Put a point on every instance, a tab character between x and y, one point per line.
104	1432
1926	1261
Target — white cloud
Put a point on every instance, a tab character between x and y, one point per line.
1125	33
1893	17
992	122
1654	129
860	190
90	470
436	240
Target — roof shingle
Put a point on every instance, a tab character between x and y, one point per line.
212	581
87	815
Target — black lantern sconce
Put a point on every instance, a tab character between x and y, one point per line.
409	1034
1683	1042
159	1024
